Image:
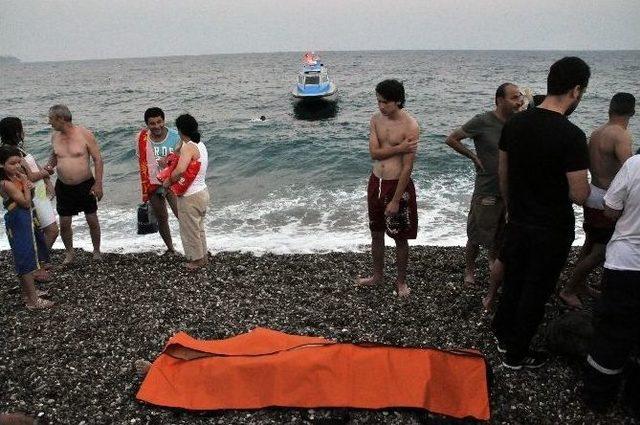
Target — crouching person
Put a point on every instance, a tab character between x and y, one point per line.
616	318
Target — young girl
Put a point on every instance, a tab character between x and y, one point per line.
12	133
26	240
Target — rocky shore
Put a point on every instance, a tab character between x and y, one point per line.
73	364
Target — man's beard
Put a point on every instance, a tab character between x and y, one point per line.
571	108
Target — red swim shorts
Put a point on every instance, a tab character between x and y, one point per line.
403	225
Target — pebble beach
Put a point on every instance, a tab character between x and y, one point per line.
73	364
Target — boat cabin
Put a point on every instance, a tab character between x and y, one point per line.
316	75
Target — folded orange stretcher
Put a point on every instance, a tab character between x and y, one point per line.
266	368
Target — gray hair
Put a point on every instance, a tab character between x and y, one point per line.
61	111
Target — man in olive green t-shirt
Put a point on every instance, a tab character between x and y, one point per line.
486	213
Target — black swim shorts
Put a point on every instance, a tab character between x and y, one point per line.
597	226
73	198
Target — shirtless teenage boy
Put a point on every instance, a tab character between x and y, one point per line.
76	188
609	147
391	197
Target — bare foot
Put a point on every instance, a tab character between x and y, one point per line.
141	367
368	281
97	256
571	300
192	266
41	275
403	290
469	278
68	258
39	304
488	302
594	292
15	419
39	294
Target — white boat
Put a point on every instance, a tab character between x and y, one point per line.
313	80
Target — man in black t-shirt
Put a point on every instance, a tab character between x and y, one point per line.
543	162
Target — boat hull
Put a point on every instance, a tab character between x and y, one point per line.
310	96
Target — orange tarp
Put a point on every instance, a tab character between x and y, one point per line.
266	368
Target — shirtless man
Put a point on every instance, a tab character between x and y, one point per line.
76	188
391	197
609	147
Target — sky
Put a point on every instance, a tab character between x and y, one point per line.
39	30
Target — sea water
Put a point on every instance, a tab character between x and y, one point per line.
295	182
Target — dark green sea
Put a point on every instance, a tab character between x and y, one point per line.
296	182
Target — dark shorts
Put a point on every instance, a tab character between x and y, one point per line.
485	222
74	198
403	225
598	227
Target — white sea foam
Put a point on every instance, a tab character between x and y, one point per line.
313	221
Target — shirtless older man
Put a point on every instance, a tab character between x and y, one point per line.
391	196
609	147
76	188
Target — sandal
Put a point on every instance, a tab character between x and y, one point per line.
40	304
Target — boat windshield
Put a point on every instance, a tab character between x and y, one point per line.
312	79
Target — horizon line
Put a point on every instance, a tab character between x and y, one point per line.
321	51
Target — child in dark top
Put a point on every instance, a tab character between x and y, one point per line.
26	240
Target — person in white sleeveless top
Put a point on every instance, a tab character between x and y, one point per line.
12	133
192	205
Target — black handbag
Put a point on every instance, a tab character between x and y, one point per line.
147	222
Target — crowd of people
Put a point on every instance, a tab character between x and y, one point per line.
27	191
531	165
